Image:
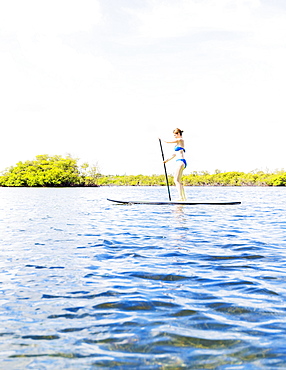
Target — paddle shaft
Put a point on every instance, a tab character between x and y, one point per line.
165	170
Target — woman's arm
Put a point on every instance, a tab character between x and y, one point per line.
171	142
167	160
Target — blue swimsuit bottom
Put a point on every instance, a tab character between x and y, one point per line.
184	161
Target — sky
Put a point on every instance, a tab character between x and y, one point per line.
102	80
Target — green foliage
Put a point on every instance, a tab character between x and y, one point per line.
134	180
201	179
221	179
48	171
278	179
59	171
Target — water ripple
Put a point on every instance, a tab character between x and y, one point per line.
85	284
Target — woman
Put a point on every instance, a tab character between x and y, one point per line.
181	162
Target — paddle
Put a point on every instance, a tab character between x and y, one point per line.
165	170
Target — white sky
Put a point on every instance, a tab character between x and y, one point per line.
102	79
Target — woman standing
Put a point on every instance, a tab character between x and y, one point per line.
181	162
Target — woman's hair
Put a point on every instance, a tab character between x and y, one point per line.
178	131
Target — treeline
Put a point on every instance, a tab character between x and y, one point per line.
65	171
50	171
201	179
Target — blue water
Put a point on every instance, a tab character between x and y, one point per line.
87	284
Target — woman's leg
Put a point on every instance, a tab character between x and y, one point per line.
177	179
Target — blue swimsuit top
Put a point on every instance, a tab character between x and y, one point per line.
177	148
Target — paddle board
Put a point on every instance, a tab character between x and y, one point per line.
174	203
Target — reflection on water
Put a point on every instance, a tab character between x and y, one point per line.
88	284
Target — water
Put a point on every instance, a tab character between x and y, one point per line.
87	284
